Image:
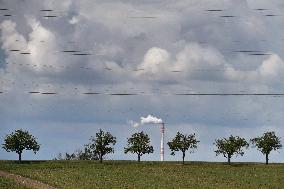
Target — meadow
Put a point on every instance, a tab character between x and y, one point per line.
6	183
128	174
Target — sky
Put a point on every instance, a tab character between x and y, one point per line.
64	64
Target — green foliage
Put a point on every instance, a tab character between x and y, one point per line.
139	143
85	154
101	145
231	146
20	141
183	143
266	143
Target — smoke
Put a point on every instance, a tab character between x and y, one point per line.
134	124
150	119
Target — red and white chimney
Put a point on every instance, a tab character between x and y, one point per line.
162	141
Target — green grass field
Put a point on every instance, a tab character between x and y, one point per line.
9	184
126	174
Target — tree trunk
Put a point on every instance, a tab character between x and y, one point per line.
183	155
139	158
101	159
229	159
266	158
20	157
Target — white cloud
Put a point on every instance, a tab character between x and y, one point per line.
40	44
270	70
156	60
190	62
183	37
272	67
10	38
41	53
74	20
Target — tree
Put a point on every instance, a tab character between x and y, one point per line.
266	143
231	146
70	156
101	144
139	143
19	141
80	154
86	154
183	143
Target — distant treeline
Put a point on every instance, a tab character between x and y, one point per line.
139	143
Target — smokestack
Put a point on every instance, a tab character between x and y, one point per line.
162	141
150	119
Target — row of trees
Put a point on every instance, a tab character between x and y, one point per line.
139	144
234	145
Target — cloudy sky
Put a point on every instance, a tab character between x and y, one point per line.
153	49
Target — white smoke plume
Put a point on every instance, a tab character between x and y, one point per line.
134	124
150	119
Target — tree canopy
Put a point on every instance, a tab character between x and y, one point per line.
231	146
266	143
80	154
19	141
139	143
183	142
102	144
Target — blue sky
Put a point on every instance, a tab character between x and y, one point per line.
154	49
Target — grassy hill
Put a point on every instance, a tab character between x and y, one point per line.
9	184
127	174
